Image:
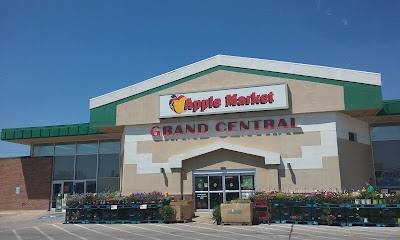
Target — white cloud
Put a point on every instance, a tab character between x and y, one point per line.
344	21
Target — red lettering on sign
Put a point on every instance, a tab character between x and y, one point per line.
218	127
282	123
293	123
202	128
167	130
231	126
190	129
230	100
178	130
155	131
256	124
244	126
269	124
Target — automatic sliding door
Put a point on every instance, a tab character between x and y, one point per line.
231	188
212	188
201	191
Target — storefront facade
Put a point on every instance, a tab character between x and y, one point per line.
219	129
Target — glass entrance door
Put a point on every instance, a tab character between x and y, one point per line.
56	189
60	187
212	188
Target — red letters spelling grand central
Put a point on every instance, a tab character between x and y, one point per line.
224	127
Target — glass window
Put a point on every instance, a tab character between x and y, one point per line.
352	136
87	148
247	182
231	196
109	165
63	168
43	150
215	183
201	183
65	149
109	147
86	166
385	133
91	186
387	164
232	183
107	184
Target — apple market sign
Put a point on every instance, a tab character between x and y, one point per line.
258	98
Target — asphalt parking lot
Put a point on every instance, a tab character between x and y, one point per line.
46	225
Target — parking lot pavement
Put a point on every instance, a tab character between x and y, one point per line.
46	225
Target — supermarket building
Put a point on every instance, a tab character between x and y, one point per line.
216	130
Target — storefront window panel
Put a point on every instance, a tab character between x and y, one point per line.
86	166
109	147
63	168
107	184
91	186
43	150
87	148
247	182
387	163
385	133
201	183
232	182
231	196
109	165
215	183
65	149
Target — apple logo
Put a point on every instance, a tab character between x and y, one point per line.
177	104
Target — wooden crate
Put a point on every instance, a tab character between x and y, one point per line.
188	203
237	213
183	213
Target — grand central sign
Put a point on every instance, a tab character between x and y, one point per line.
256	98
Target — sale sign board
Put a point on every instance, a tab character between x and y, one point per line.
256	98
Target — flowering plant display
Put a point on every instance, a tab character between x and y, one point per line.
116	198
325	197
328	218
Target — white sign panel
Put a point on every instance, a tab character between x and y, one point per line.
246	99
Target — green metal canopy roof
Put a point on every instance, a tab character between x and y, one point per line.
48	131
390	107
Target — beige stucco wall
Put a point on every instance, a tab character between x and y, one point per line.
304	97
268	177
288	145
307	180
356	164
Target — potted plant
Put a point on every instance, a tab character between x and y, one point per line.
167	213
216	214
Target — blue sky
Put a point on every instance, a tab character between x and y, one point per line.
56	55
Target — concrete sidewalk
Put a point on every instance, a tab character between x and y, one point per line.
202	217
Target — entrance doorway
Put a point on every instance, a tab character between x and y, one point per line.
70	187
211	188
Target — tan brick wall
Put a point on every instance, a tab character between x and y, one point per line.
356	164
32	175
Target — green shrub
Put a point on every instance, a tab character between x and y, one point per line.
216	214
167	212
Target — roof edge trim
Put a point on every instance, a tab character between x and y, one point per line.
240	62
